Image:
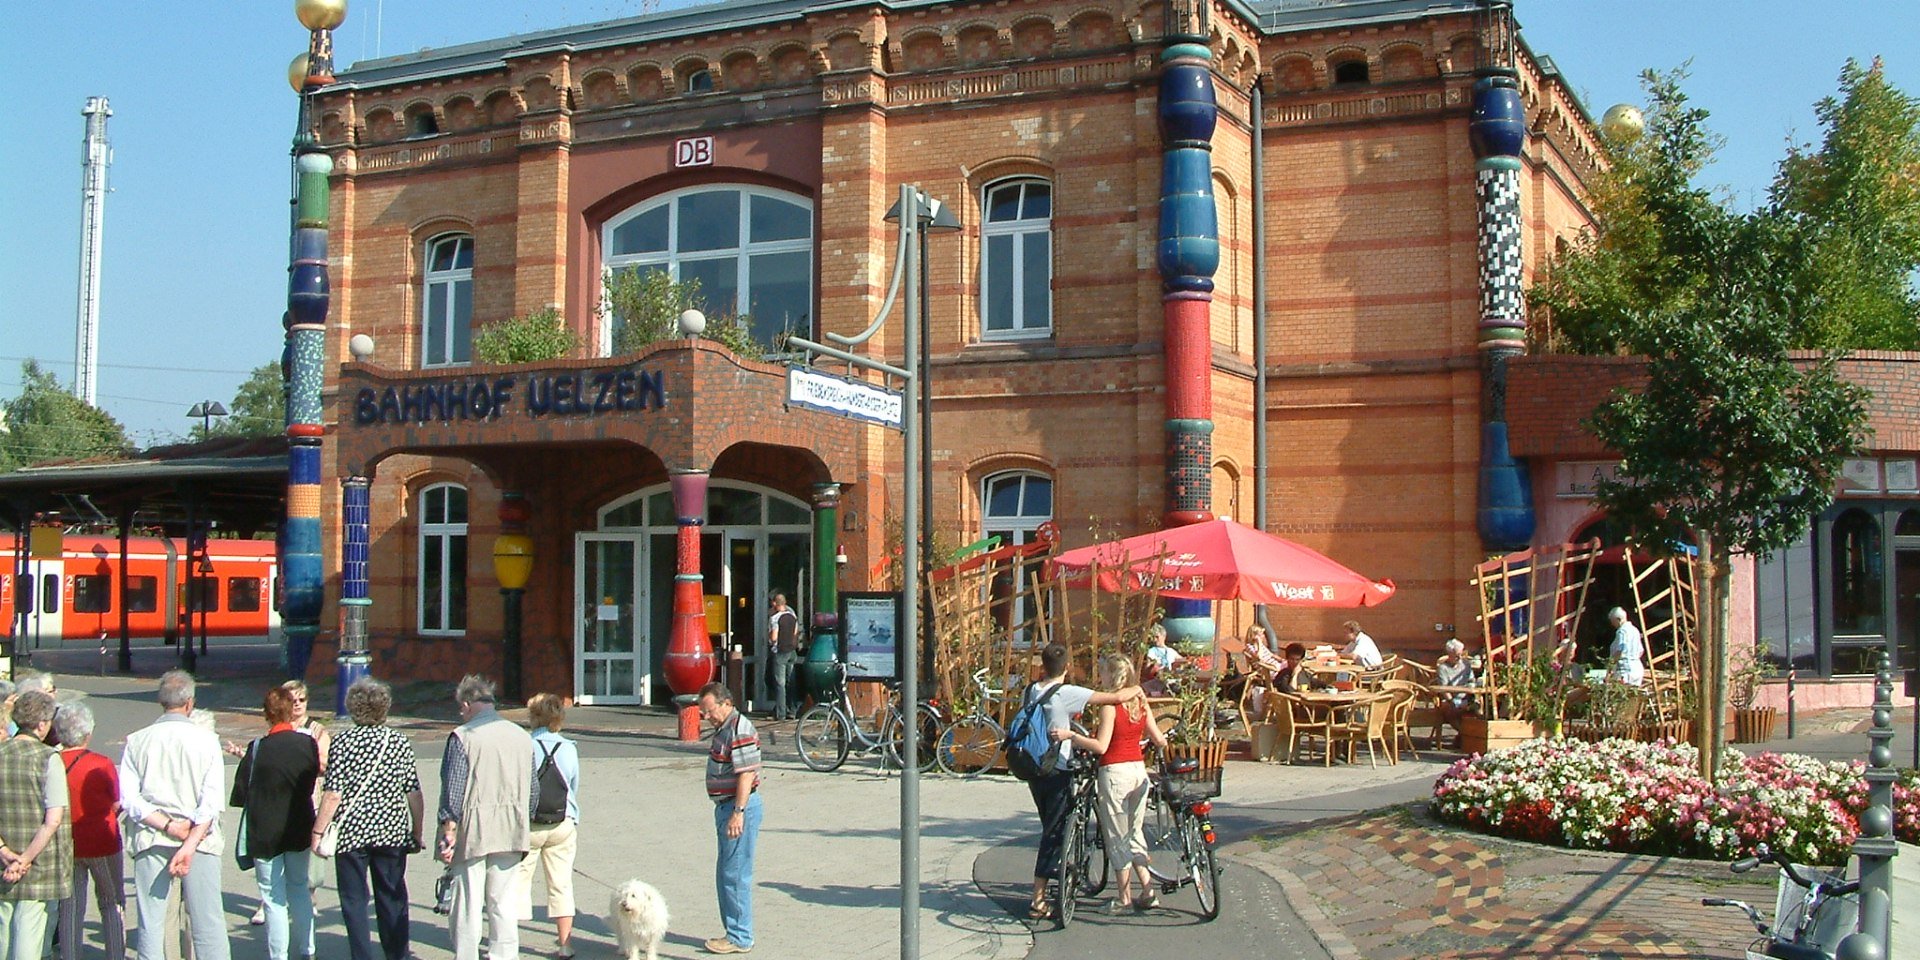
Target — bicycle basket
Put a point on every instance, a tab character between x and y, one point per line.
1194	785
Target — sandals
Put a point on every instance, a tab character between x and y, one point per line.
1117	908
1149	901
1040	911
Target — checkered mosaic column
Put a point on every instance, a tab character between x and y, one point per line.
1498	134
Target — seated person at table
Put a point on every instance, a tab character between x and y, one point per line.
1259	657
1360	648
1292	677
1158	652
1453	670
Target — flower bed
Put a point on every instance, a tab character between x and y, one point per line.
1633	797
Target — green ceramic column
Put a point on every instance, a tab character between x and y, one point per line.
817	678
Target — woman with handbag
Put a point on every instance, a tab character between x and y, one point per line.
274	788
370	819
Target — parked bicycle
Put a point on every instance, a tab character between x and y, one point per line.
1180	835
828	732
1811	915
975	742
1084	861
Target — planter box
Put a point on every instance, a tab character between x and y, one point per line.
1212	754
1755	724
1480	735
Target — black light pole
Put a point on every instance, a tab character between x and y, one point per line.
926	449
206	410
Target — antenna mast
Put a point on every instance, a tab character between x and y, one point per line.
93	200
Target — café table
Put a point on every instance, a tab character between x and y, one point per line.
1324	706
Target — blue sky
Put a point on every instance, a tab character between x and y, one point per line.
196	227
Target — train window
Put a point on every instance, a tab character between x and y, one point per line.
26	596
143	594
50	593
203	595
92	593
243	594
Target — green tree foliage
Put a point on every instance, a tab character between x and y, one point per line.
646	305
1848	218
542	335
1654	236
259	408
45	422
1840	234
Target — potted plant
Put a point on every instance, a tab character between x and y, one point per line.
1745	670
1194	731
1536	697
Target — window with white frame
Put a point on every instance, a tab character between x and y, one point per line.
446	305
750	248
443	559
1013	506
1016	260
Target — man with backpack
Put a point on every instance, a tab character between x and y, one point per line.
783	646
1049	704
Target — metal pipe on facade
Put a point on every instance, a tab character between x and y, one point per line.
1258	136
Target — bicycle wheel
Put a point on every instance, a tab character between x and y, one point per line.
821	736
1096	862
1166	848
1072	862
1202	866
895	737
970	746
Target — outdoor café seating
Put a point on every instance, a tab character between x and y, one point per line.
1368	720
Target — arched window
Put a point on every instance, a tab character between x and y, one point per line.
1858	575
700	81
1013	506
750	248
443	559
1016	260
1908	525
1350	73
446	305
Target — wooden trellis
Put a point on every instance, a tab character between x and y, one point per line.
996	609
1534	594
1668	617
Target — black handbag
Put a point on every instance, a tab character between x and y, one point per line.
240	854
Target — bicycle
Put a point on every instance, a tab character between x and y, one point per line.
827	732
1180	829
1081	842
1811	916
974	743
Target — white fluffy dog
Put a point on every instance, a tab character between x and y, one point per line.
639	917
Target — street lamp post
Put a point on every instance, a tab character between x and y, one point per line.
206	410
930	215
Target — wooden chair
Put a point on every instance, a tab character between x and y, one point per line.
1258	678
1298	726
1279	712
1405	694
1417	672
1371	728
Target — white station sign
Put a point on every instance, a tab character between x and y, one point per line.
845	397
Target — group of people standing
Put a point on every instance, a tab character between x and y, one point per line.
508	808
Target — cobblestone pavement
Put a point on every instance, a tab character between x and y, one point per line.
1395	884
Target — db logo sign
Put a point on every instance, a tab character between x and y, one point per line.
693	152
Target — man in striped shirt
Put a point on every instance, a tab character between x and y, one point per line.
733	780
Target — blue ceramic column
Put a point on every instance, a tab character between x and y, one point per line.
356	513
1498	133
1188	254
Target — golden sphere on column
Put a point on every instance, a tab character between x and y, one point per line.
1623	122
320	14
297	74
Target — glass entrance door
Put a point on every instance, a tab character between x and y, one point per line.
612	661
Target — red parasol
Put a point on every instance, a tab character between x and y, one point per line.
1223	560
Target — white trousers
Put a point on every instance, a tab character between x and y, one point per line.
486	890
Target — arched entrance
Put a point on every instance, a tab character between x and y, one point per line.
756	540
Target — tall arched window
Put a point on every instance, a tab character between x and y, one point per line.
443	559
750	248
1016	260
446	305
1858	575
1013	506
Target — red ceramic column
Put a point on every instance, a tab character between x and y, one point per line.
689	660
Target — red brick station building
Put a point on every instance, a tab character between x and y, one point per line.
757	146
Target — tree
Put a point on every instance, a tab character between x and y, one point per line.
1730	441
1848	219
648	302
45	422
1648	253
259	408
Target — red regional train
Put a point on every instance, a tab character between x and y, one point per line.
78	597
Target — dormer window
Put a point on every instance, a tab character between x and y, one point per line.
700	81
